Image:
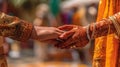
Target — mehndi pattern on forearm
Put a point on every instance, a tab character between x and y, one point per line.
103	28
15	28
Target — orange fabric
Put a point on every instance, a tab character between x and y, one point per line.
106	48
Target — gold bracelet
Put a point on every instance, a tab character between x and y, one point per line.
116	25
93	32
87	31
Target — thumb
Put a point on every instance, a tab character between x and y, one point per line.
67	34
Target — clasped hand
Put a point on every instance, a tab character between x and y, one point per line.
64	37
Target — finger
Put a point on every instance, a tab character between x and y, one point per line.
66	27
66	43
71	46
61	31
48	36
67	34
54	36
76	35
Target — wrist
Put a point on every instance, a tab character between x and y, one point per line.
33	33
87	33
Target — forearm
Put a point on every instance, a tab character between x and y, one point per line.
104	27
14	27
3	62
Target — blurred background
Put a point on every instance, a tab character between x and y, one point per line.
49	13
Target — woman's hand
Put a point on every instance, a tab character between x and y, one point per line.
74	37
46	34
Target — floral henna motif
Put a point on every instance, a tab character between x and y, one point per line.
105	27
2	65
79	37
15	28
3	62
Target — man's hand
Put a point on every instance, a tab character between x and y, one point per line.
74	37
46	34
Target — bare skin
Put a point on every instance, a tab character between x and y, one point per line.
46	34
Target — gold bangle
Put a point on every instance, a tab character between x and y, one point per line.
87	31
116	25
93	32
